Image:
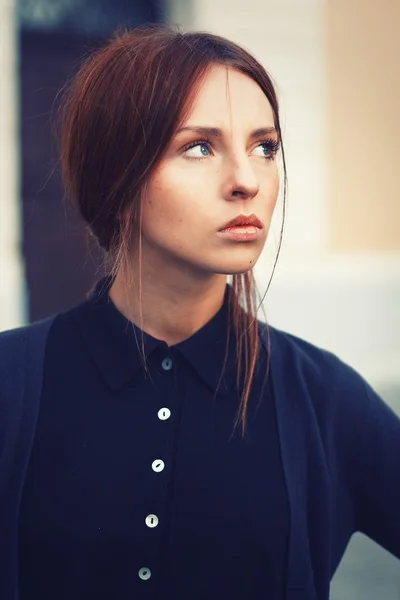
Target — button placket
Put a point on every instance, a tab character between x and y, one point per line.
165	413
157	466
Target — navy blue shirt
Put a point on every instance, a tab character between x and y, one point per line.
137	486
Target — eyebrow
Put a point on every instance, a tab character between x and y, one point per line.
217	133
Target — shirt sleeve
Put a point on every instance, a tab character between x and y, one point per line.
377	502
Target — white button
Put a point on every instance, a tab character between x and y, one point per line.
167	364
144	573
158	465
151	521
164	414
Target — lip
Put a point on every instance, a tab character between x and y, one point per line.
243	221
243	233
242	228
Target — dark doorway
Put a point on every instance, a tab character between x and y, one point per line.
61	263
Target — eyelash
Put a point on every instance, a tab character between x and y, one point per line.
273	146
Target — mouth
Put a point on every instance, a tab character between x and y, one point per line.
242	229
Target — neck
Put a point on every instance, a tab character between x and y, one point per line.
170	307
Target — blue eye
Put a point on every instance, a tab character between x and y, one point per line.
268	149
198	150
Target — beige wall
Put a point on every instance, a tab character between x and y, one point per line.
363	142
12	281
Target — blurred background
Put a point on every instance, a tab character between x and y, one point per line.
337	283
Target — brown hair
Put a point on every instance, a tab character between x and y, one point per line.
117	118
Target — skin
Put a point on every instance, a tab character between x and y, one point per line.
189	197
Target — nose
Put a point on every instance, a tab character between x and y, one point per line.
241	181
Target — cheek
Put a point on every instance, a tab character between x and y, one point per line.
177	194
165	206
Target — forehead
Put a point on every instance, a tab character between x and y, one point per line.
227	97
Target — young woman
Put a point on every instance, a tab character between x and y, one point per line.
158	440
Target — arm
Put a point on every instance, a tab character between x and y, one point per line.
377	499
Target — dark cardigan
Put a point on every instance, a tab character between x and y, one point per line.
340	447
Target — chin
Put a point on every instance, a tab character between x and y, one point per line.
235	269
237	261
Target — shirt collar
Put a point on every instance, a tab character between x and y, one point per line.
206	349
113	341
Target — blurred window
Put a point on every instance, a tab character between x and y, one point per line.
87	16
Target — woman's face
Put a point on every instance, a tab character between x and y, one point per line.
220	164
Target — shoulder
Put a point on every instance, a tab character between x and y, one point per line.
314	377
27	348
16	338
38	331
315	381
22	351
301	356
